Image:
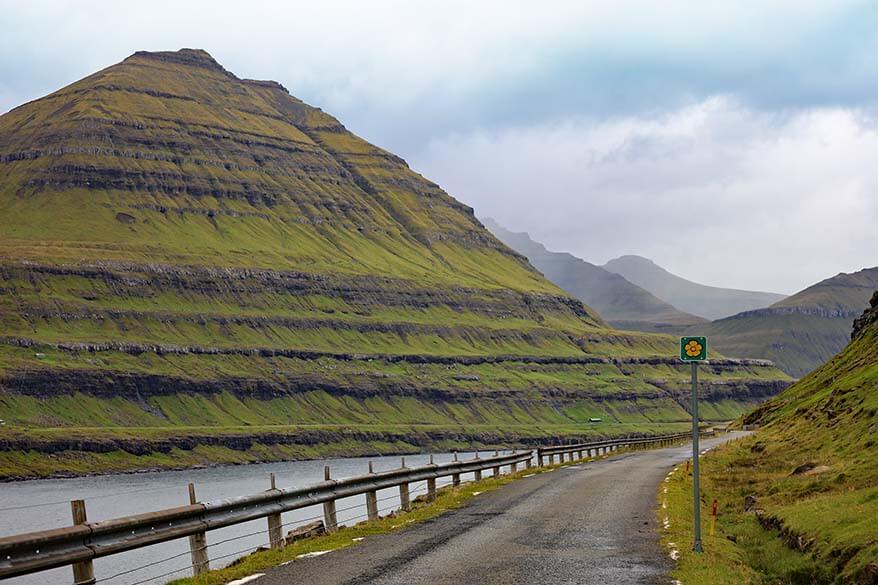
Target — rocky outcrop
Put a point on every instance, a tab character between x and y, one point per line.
362	292
720	365
826	313
361	385
868	318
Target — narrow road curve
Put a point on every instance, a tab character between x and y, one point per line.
588	523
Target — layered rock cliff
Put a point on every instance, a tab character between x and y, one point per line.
190	254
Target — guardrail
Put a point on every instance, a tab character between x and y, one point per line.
79	544
576	451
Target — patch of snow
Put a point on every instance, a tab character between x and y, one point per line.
246	579
316	553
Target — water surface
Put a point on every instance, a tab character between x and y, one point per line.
43	504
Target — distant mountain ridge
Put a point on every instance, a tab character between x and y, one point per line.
802	331
842	294
621	303
710	302
797	333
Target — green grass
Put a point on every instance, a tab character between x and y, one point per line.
816	527
795	343
738	551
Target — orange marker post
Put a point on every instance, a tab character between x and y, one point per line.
713	517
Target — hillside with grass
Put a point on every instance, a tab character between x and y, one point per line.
802	331
623	304
799	498
197	268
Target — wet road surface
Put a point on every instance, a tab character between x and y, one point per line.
591	523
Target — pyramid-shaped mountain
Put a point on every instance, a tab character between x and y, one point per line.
197	268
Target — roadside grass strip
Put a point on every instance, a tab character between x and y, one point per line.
721	563
738	550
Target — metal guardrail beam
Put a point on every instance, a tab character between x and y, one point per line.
37	551
609	444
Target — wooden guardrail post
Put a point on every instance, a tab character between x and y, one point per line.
405	502
431	485
496	468
83	572
275	526
372	500
330	520
198	543
539	459
455	477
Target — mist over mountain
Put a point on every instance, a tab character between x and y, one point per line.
622	303
710	302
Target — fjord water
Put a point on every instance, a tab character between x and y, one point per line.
43	504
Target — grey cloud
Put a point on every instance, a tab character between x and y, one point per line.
715	191
599	116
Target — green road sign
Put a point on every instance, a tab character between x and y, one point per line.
693	349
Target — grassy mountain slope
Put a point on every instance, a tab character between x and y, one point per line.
802	331
197	268
709	302
621	303
812	474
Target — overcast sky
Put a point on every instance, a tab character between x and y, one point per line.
734	143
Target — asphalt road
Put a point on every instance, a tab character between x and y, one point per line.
588	523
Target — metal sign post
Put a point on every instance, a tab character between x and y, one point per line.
694	350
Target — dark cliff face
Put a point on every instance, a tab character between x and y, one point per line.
868	318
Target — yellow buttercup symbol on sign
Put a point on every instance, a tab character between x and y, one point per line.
693	348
